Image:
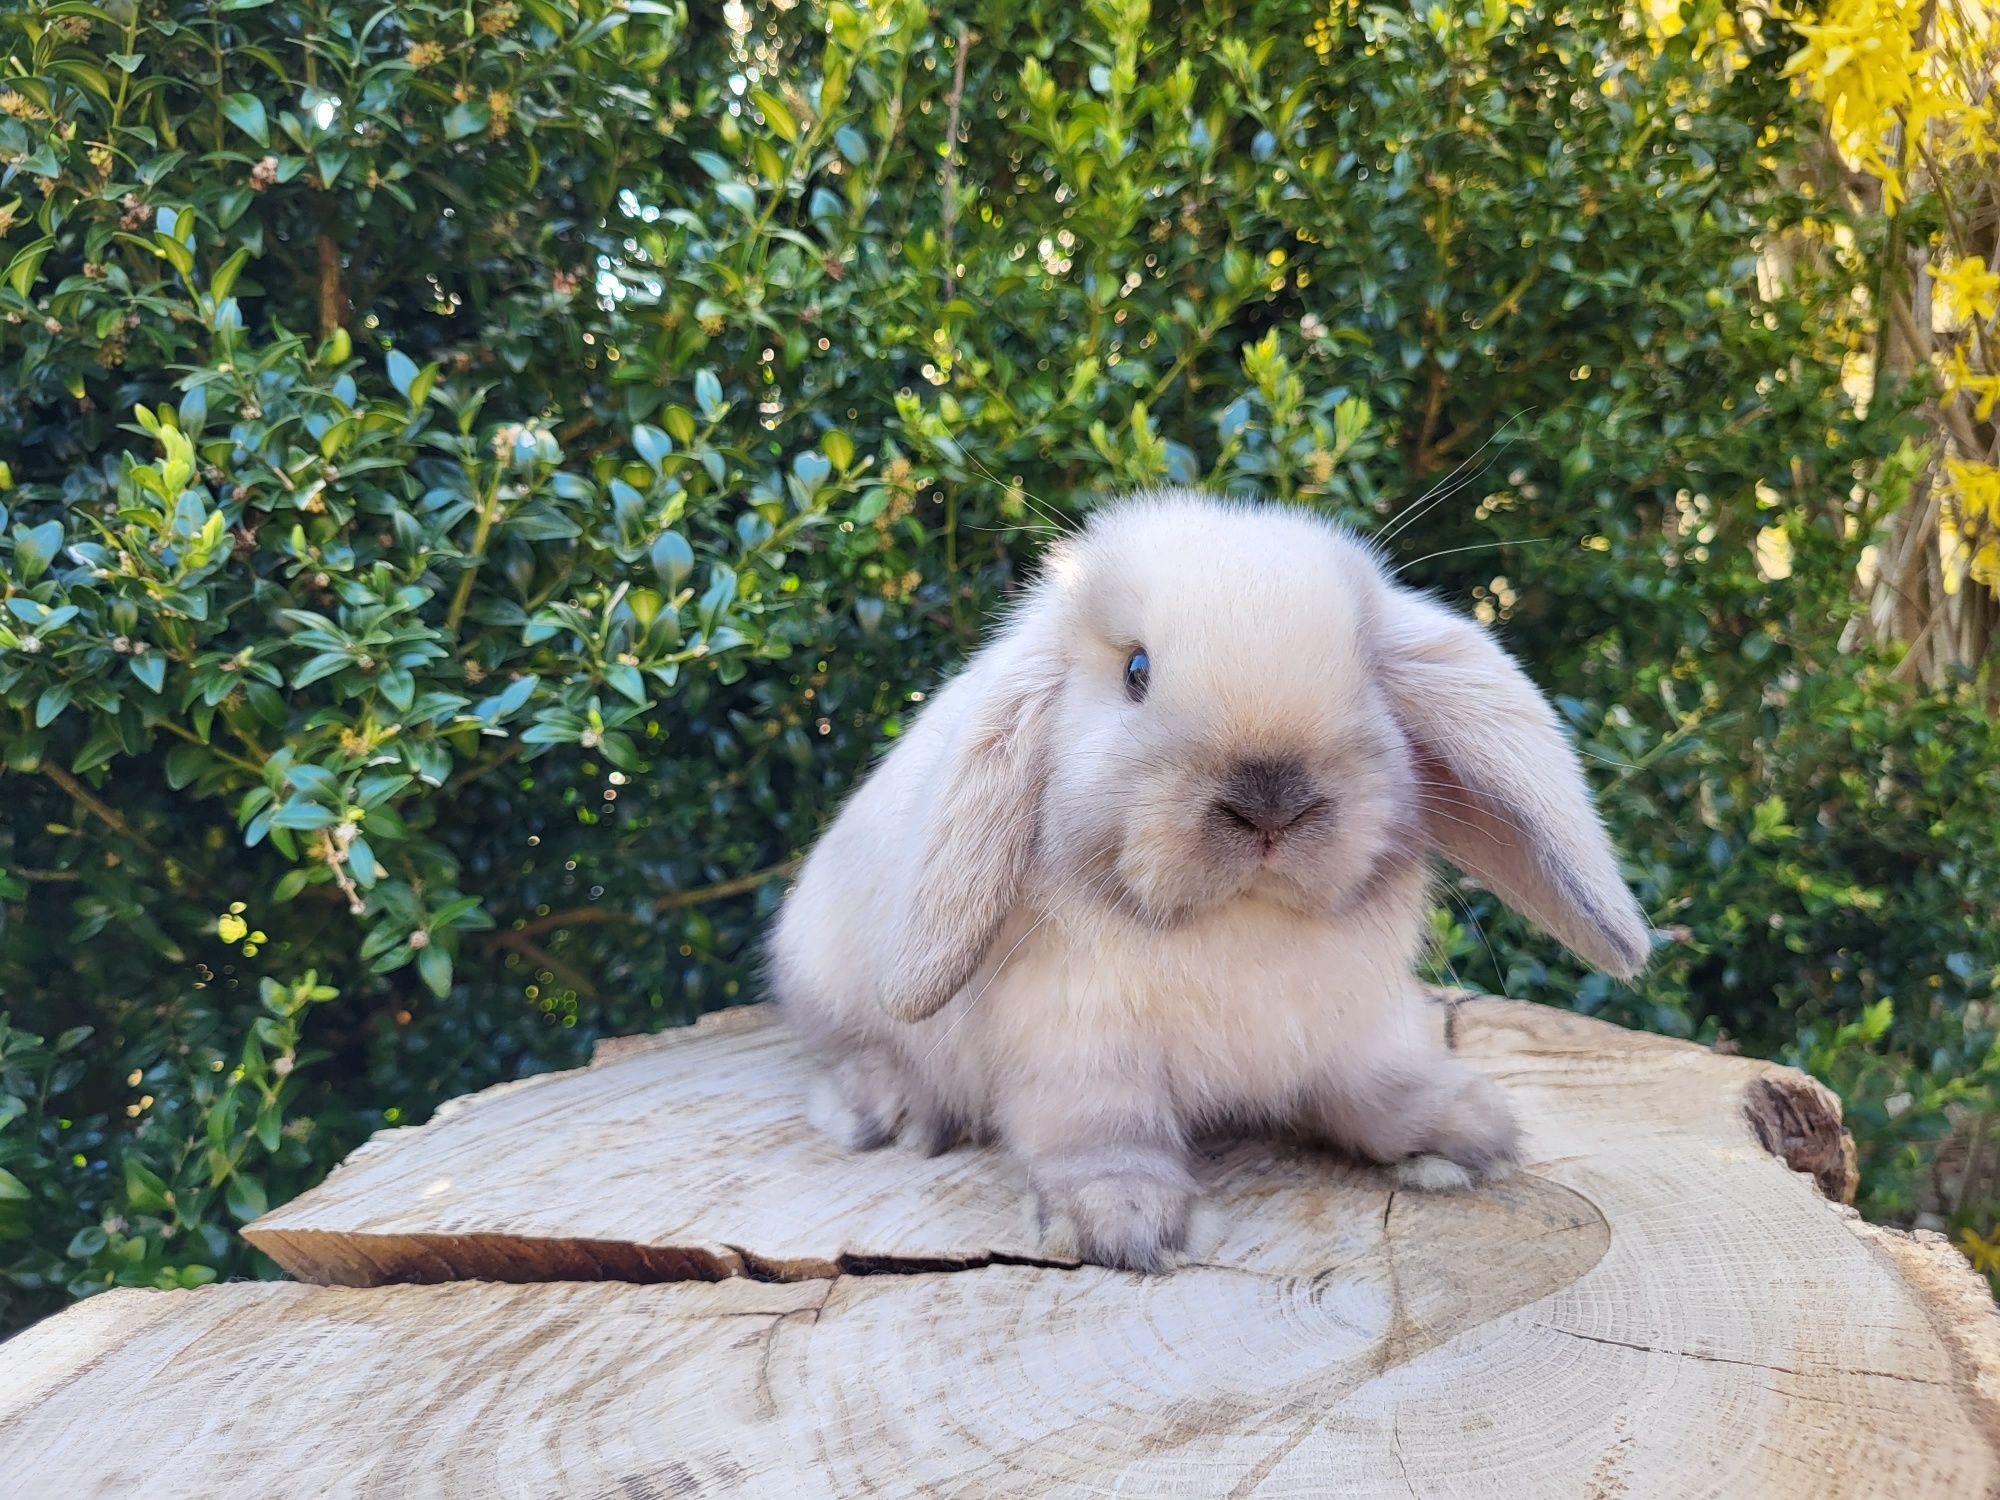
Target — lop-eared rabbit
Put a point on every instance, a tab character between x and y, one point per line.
1158	862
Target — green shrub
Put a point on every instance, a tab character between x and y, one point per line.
485	479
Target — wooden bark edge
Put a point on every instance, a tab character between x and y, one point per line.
1798	1119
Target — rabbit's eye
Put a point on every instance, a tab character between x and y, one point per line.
1138	671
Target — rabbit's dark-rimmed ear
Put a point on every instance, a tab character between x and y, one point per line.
981	821
1501	790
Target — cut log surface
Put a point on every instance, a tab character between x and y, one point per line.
663	1282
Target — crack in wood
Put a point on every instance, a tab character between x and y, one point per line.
1748	1364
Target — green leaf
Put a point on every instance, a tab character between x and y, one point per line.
151	669
1876	1019
402	373
177	255
35	549
100	748
245	1197
12	1189
55	698
316	782
777	114
224	281
434	968
469	117
185	762
145	1190
398	686
673	560
27	262
246	113
86	1242
303	816
652	445
625	679
361	861
324	664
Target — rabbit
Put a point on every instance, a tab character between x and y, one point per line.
1157	862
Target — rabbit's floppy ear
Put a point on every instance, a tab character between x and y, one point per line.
981	817
1500	789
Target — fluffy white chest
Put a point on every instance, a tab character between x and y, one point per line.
1237	1012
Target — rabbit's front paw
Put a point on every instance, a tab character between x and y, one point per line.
861	1103
1471	1138
1134	1219
1441	1125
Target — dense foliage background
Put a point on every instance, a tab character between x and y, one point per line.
482	480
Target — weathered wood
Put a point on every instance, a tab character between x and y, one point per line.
1656	1306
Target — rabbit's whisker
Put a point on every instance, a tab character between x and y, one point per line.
1473	922
1449	485
1432	809
1532	541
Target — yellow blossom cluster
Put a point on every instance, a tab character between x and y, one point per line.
1908	87
1885	71
1970	291
1975	492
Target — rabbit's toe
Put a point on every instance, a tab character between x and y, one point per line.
1130	1222
930	1132
1432	1174
863	1102
831	1112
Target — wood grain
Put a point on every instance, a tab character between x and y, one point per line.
1657	1306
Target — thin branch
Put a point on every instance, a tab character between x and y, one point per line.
216	750
330	298
518	942
589	916
487	767
948	210
336	860
109	816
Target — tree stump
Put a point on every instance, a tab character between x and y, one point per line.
661	1281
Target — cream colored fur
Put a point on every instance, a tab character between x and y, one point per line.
1035	922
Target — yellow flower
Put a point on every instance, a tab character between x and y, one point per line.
1976	488
1959	375
1983	1250
1985	565
1974	291
1862	62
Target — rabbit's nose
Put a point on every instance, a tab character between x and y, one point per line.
1269	796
